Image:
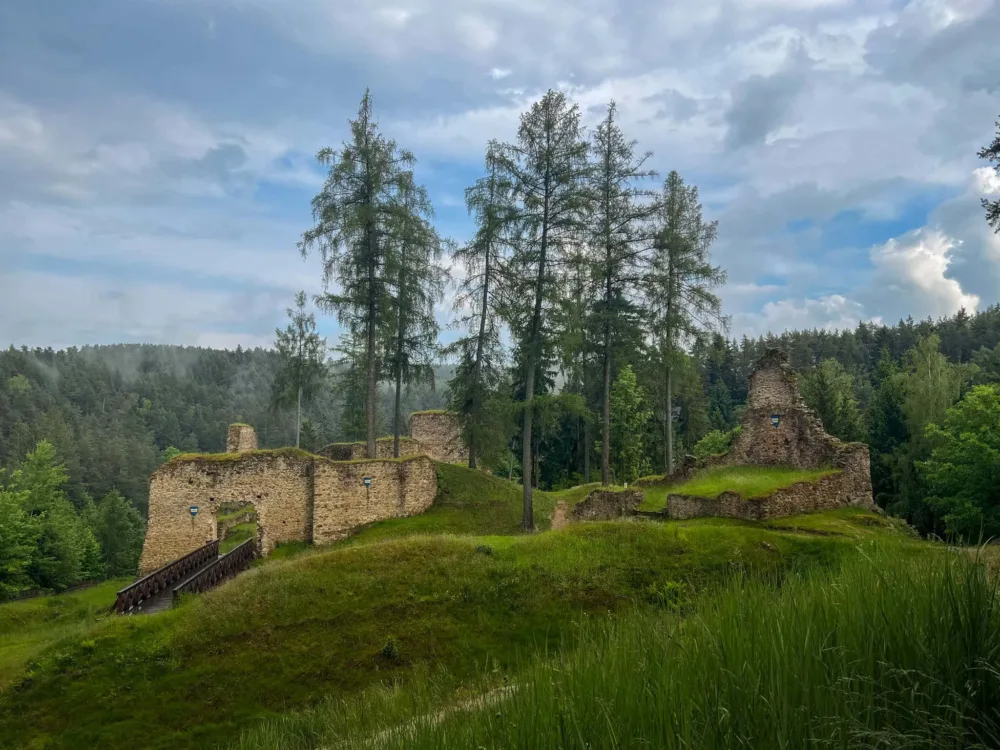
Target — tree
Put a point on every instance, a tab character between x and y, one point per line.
120	531
485	292
716	442
547	167
302	354
618	233
679	284
629	418
18	537
418	285
991	154
357	215
66	551
963	471
887	430
828	390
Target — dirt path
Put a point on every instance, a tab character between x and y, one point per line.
560	515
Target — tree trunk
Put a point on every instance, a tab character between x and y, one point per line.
298	418
400	339
586	451
372	390
670	419
478	366
528	511
606	409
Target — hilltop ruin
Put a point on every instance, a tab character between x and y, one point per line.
778	429
298	496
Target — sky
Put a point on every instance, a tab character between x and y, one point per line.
157	157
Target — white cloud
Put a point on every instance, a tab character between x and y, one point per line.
913	268
832	312
499	73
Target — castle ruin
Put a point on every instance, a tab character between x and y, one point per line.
297	496
778	429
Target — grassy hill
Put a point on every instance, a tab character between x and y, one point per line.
457	588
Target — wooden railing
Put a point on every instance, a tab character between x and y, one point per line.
237	559
163	578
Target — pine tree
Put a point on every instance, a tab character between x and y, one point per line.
679	284
357	215
828	390
414	265
619	233
302	354
485	291
991	154
548	168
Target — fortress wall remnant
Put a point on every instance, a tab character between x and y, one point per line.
297	496
383	449
241	438
440	435
778	429
342	502
277	483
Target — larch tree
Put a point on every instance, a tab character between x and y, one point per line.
418	284
619	234
679	284
357	217
482	293
991	154
547	166
303	360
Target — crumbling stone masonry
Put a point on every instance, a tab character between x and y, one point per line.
780	430
383	449
241	438
607	505
440	435
298	496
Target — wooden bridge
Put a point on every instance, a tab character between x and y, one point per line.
194	573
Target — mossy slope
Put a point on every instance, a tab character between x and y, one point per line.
289	632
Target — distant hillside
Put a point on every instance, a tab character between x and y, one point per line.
111	411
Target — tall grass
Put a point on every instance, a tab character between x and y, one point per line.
888	652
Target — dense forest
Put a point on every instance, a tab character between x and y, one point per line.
592	347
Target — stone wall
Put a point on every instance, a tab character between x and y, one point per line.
277	483
798	440
297	497
440	435
342	502
241	438
835	491
383	449
607	505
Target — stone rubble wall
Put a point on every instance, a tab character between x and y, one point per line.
383	449
440	435
835	491
284	487
241	438
798	441
277	484
399	487
607	505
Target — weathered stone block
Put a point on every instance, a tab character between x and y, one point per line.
607	505
440	435
241	438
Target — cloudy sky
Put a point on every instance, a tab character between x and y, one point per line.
157	156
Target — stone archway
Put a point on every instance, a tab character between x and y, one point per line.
277	484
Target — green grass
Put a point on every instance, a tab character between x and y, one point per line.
237	535
336	621
747	481
28	626
889	651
